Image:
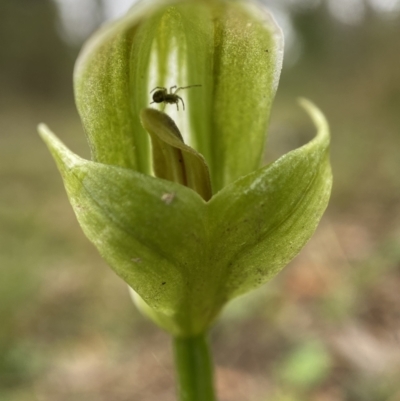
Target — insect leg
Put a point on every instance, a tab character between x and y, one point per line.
183	104
158	87
172	87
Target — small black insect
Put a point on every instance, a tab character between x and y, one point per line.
161	95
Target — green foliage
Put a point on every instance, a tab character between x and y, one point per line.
307	366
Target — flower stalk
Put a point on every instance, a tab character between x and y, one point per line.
194	368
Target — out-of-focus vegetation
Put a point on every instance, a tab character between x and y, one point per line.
327	329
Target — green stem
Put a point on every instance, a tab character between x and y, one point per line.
194	369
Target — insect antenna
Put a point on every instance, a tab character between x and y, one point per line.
186	87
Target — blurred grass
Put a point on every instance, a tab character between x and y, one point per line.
327	329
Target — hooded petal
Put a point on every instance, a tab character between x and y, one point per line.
233	49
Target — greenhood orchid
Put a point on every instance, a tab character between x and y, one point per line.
187	216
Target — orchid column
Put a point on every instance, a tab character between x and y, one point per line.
177	203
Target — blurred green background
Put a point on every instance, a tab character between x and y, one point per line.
326	329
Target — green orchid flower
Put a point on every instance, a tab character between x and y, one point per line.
187	216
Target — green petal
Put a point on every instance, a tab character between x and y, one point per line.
270	215
247	63
147	229
110	83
